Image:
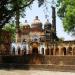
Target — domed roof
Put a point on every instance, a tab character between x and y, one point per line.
26	28
36	23
47	24
26	25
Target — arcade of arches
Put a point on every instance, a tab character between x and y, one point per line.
39	40
60	49
56	51
66	48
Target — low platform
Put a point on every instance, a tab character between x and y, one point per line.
49	67
40	62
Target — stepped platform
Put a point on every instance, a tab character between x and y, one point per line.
48	67
38	62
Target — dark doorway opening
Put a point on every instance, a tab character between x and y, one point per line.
64	50
52	49
35	50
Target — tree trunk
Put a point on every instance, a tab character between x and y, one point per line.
17	26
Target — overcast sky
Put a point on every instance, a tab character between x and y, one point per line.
41	12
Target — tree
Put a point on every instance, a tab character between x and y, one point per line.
66	11
11	27
9	7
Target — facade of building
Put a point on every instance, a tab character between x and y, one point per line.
36	39
35	36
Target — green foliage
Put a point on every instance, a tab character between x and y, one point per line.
66	11
9	7
61	39
12	29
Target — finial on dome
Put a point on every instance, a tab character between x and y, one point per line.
36	17
47	20
25	21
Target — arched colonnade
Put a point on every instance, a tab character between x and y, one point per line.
59	50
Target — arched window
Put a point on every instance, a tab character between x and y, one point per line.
63	51
69	51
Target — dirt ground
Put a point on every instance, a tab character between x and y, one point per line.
33	72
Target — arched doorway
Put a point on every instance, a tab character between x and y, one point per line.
42	51
34	50
63	51
18	48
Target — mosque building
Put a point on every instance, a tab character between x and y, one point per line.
35	36
37	39
36	44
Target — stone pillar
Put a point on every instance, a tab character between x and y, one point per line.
60	51
72	51
49	51
54	50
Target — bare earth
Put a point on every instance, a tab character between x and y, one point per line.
33	72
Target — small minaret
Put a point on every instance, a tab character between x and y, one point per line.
54	18
53	21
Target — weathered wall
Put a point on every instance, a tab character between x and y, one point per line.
5	40
39	59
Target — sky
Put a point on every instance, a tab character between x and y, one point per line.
41	12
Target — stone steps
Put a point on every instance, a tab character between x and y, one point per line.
38	67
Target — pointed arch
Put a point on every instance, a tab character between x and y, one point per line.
63	51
